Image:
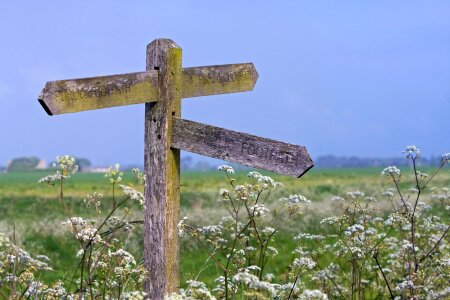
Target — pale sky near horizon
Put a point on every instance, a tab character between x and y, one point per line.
339	77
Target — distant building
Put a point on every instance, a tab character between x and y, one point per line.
42	165
96	169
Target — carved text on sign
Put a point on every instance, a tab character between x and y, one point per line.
240	148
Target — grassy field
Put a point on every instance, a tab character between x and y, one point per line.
31	212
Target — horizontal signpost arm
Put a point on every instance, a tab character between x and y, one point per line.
242	148
74	95
220	79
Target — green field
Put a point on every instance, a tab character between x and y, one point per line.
31	213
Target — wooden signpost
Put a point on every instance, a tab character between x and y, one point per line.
161	88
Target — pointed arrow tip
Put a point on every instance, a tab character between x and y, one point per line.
42	101
45	107
255	75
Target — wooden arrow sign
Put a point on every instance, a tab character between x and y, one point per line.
74	95
242	148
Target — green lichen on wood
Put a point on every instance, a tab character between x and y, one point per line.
221	79
66	96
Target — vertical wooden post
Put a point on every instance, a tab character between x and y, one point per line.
162	169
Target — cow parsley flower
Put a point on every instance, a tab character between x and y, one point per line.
295	199
272	251
211	230
133	194
182	227
307	236
445	158
113	174
313	295
66	164
51	179
412	152
304	262
355	194
226	168
333	220
337	199
125	257
73	222
402	286
139	177
389	193
268	231
93	200
259	210
198	290
88	234
391	171
354	229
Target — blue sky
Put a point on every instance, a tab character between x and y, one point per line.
340	77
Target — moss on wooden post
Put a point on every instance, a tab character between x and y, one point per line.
162	169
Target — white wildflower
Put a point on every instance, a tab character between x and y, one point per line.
113	174
307	236
391	171
272	251
93	200
389	193
226	168
182	227
354	229
211	230
337	199
88	234
402	286
259	210
313	295
333	220
268	231
51	179
355	194
125	257
304	262
133	194
445	158
412	152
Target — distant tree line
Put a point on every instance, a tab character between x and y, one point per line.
31	163
332	161
188	163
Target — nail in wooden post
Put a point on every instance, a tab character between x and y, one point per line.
162	169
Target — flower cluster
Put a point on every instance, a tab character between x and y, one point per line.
65	166
445	158
412	152
133	194
226	169
392	172
114	174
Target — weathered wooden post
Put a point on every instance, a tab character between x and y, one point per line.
162	169
161	88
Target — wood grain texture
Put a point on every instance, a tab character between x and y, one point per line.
242	148
220	79
162	170
74	95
